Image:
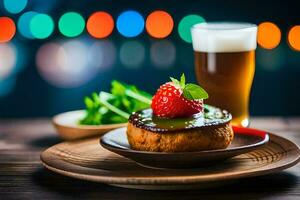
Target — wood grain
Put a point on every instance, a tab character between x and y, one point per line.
23	177
88	161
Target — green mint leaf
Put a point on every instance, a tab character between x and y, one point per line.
175	81
182	81
193	92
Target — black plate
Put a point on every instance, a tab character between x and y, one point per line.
245	140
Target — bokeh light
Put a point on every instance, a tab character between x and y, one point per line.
268	35
159	24
14	6
185	25
102	55
24	24
65	65
100	24
41	26
7	60
132	54
49	60
11	63
7	85
71	24
76	54
7	29
294	37
163	54
130	23
21	54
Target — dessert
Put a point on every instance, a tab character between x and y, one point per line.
179	121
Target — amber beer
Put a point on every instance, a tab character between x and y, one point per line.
225	65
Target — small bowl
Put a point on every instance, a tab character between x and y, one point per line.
68	128
245	140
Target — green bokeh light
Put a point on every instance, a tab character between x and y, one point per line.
184	27
71	24
41	26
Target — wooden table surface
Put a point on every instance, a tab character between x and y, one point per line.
22	175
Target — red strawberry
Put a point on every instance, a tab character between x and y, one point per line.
177	99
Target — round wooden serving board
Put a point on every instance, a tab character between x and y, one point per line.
87	160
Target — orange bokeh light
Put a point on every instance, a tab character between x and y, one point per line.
294	37
7	29
268	35
159	24
100	24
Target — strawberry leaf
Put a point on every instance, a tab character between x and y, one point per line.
175	81
182	81
193	92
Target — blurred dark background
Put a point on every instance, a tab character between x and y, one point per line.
52	75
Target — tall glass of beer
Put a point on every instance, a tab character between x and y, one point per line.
225	65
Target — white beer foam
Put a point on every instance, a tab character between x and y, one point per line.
224	37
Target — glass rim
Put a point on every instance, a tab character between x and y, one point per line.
235	26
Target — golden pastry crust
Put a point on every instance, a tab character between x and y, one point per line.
196	139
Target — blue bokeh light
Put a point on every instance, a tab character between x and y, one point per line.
132	54
24	24
7	86
14	6
130	23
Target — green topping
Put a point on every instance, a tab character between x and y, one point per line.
190	91
114	107
211	115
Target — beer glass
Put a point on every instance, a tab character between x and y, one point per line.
225	65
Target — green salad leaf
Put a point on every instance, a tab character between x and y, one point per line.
116	106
